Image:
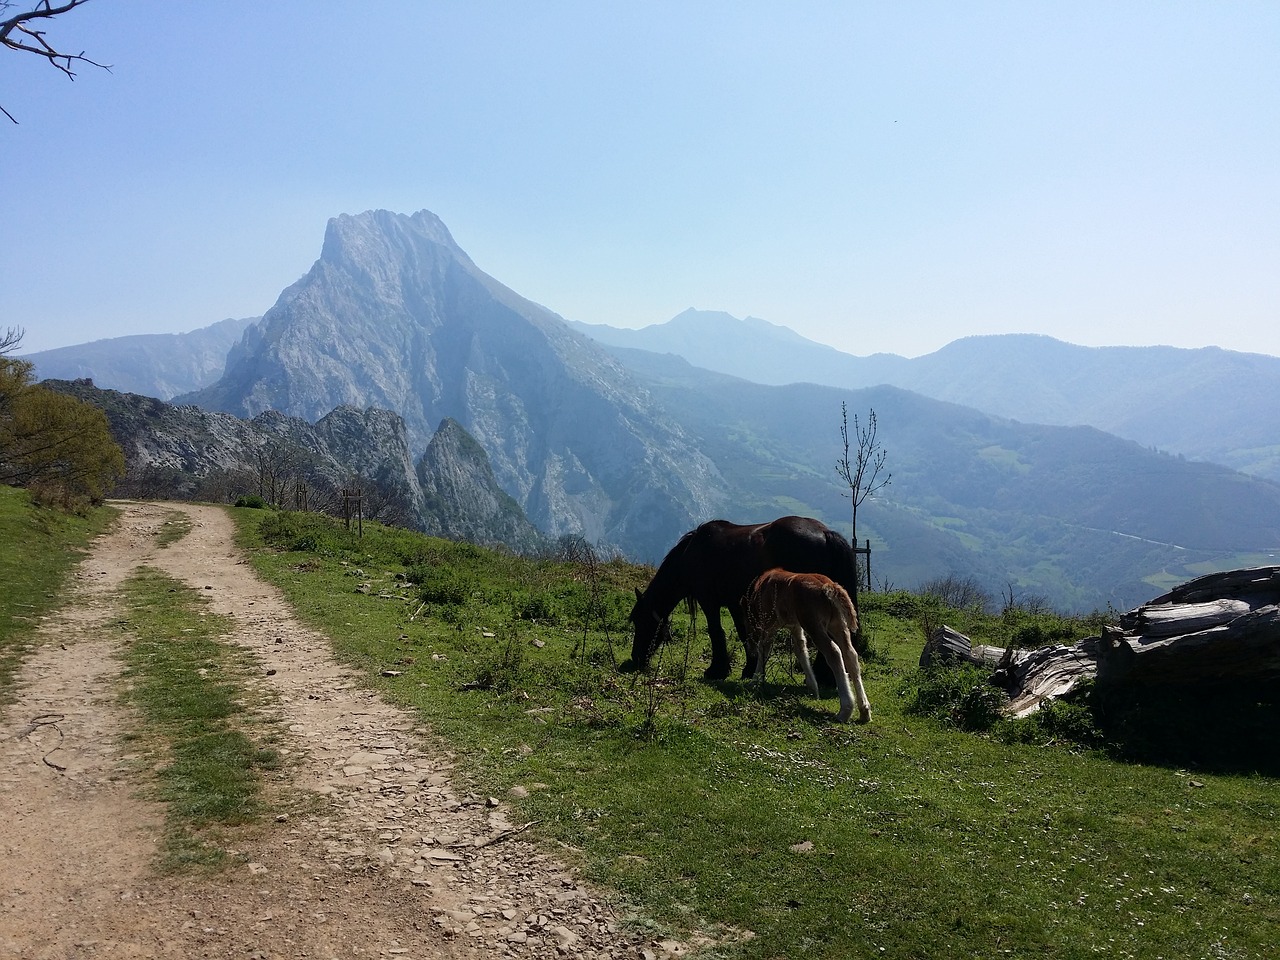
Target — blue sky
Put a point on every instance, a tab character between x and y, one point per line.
876	176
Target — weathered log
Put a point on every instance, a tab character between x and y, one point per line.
1245	648
1029	676
1167	620
1220	628
1258	586
1034	676
947	646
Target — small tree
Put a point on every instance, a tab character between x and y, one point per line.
862	473
15	373
20	31
56	445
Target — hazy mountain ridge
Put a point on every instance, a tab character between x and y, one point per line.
752	349
160	365
1166	397
394	315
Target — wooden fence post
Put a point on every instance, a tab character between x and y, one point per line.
865	552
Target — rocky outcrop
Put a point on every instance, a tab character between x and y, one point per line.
395	315
184	452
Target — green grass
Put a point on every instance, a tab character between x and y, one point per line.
190	690
927	841
176	526
38	548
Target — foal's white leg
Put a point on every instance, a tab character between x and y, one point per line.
801	651
854	667
831	650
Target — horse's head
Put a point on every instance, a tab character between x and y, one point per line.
651	631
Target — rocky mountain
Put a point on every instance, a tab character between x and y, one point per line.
160	365
183	452
395	315
1206	404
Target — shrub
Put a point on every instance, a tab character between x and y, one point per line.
959	593
303	532
1070	719
440	584
899	604
252	501
961	696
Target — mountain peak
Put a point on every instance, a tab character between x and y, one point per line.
357	237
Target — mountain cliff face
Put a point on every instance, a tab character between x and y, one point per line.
462	498
395	315
159	365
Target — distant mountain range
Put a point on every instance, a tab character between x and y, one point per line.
1164	397
1071	514
160	365
632	447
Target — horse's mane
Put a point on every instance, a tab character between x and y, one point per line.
665	589
680	547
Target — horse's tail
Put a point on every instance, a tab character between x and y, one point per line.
840	599
842	562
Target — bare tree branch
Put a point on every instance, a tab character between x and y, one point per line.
862	473
18	32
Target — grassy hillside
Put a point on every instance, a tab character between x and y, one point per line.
39	548
746	814
1071	514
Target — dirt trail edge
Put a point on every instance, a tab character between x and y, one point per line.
394	865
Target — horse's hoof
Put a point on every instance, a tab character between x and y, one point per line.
714	672
843	716
864	716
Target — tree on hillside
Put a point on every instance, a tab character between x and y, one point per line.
21	31
57	446
15	373
862	473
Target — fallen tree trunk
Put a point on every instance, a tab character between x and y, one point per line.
951	646
1029	676
1246	648
1219	628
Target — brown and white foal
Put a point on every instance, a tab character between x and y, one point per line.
813	605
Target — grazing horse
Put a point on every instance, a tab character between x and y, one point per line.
715	563
814	605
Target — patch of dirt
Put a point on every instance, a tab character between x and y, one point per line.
392	863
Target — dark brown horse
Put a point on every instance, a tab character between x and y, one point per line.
715	564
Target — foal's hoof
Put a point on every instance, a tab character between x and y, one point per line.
864	716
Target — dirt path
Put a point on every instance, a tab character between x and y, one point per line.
396	865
